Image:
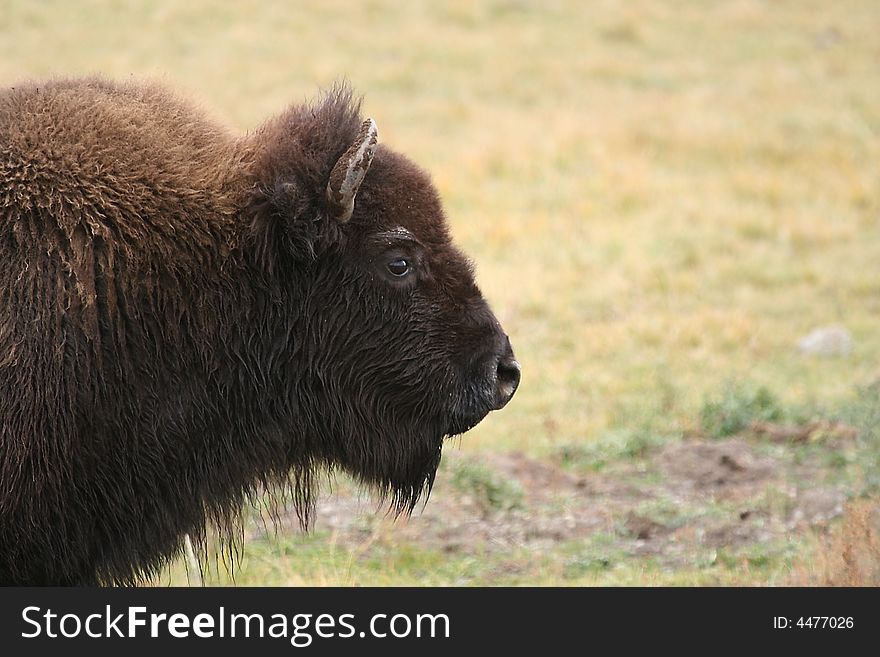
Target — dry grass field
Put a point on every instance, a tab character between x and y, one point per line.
661	198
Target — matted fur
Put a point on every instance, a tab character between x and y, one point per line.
183	325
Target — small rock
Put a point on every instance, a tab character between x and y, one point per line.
827	341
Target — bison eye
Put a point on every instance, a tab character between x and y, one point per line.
399	267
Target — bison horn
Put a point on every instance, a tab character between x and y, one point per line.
349	172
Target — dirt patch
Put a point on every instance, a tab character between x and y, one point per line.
805	433
736	534
729	468
541	479
815	506
643	528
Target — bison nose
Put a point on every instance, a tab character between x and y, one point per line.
507	379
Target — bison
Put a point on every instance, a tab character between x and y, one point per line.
189	317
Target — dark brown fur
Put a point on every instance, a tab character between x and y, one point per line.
183	324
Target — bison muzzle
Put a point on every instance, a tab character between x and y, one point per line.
189	318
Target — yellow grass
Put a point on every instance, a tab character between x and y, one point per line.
849	555
659	196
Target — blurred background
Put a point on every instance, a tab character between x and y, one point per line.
673	208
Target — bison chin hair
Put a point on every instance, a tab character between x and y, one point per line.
397	468
397	464
399	485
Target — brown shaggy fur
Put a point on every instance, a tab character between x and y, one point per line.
183	324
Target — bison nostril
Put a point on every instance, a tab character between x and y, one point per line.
507	378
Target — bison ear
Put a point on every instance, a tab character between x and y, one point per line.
349	172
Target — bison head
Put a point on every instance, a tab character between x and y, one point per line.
389	346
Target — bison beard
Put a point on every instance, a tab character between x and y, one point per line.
189	319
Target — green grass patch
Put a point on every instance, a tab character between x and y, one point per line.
611	447
485	486
738	406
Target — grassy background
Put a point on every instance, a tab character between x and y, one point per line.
660	197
